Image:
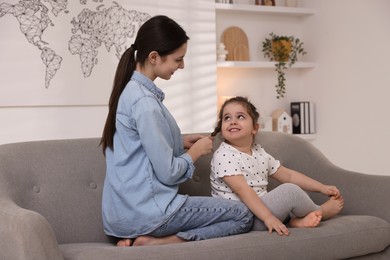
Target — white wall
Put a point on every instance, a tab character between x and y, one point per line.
351	84
40	123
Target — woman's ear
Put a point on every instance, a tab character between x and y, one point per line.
153	57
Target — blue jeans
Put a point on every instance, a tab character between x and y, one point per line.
205	217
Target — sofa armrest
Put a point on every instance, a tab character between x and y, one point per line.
25	234
363	194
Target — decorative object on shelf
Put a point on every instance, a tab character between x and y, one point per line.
221	52
236	43
291	3
265	123
265	2
281	121
284	50
303	117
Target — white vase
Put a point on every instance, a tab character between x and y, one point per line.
221	52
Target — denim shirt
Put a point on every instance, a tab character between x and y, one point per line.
147	164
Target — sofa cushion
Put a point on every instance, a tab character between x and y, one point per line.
340	237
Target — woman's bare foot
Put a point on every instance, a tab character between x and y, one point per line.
311	220
332	207
149	240
124	242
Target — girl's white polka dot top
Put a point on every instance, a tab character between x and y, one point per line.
228	161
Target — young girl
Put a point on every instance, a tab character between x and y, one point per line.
145	154
240	168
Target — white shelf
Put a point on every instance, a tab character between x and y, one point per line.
242	8
261	64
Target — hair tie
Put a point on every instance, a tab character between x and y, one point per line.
133	46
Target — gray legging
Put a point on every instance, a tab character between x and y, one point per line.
284	200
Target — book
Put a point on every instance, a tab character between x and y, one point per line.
312	118
297	114
307	118
303	117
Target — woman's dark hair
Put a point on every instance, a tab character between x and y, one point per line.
252	111
161	34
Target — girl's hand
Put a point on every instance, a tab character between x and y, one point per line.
331	191
273	223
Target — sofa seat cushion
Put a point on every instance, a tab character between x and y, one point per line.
338	238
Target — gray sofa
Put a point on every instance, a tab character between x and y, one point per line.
50	208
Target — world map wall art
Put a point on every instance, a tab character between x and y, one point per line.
64	52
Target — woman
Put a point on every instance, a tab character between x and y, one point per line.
146	157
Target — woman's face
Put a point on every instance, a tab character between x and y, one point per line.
167	65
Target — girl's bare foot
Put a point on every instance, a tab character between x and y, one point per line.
124	242
149	240
311	220
332	207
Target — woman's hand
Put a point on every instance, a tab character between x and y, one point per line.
189	140
273	223
201	147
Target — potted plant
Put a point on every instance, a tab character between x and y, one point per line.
284	50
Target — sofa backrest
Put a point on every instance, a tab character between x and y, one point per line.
63	179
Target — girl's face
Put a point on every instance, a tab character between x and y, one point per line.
167	65
237	125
